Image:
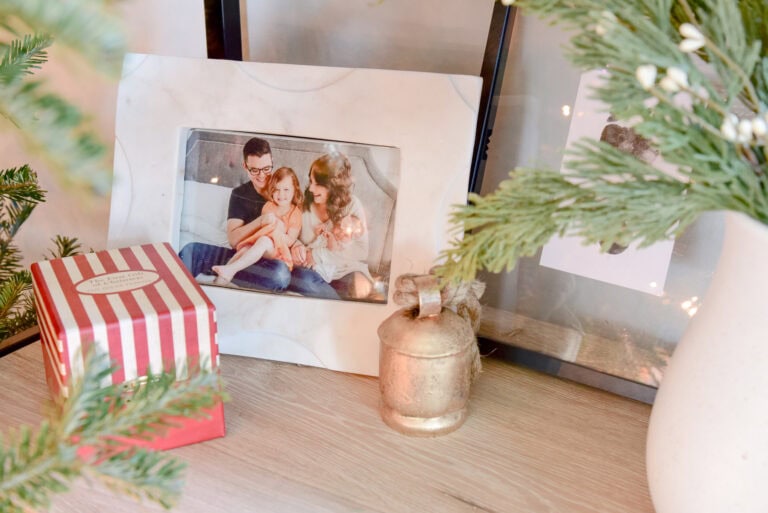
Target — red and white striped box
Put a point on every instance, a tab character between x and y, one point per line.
142	306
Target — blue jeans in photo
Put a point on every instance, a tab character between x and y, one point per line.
267	274
309	283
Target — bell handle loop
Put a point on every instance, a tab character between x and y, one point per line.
430	302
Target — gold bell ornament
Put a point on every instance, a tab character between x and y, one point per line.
428	355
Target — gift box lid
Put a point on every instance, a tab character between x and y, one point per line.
138	303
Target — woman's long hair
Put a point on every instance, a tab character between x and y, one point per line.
334	172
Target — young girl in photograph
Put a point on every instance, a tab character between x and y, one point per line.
273	240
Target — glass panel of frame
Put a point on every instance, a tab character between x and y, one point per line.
439	36
598	331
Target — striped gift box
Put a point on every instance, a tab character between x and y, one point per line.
141	305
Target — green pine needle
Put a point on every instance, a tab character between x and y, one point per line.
11	288
19	195
23	56
37	463
20	184
50	125
139	473
90	27
34	464
15	311
10	259
65	246
55	129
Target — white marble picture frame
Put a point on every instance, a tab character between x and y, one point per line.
429	118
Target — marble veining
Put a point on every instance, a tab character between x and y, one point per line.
301	81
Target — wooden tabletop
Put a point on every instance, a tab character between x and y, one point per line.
303	439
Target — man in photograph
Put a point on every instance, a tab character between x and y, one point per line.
244	218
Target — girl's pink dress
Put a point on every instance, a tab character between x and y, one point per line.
290	220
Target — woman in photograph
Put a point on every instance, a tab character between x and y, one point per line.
330	257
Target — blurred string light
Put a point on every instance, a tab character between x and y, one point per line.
691	306
379	285
566	110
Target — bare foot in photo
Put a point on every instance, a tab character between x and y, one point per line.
223	276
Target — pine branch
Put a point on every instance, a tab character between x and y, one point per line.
23	56
19	193
10	259
50	125
28	471
56	130
13	216
36	464
662	88
142	474
136	420
64	247
20	184
16	311
532	206
86	26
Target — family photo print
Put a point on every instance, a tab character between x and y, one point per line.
286	215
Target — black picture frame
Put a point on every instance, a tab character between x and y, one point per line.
494	68
224	38
224	41
492	71
223	34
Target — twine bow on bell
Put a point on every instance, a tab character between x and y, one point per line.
422	294
463	298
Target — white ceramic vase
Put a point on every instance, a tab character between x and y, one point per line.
707	449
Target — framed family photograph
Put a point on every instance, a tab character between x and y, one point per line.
329	201
294	194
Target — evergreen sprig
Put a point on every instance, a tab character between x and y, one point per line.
65	246
19	194
20	184
23	56
89	27
17	310
691	77
51	126
56	130
85	436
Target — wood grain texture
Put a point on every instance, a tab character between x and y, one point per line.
303	439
